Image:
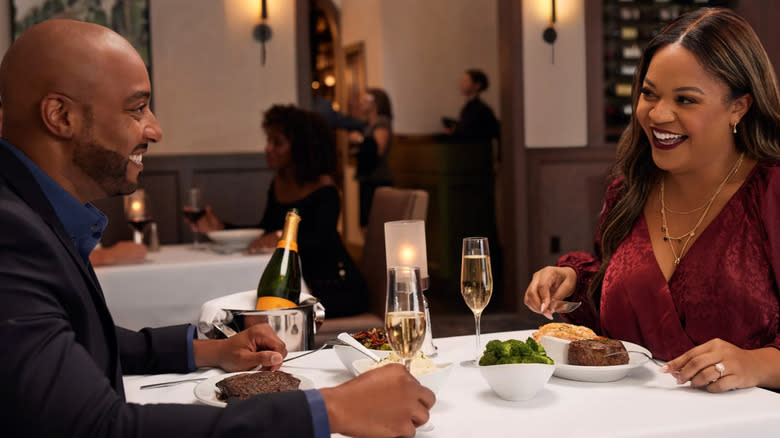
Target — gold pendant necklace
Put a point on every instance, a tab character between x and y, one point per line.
685	239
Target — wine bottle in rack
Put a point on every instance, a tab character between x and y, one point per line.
280	284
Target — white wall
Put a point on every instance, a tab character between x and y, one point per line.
361	21
209	89
555	94
423	49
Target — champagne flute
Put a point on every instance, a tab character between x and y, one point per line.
137	212
476	282
405	312
193	209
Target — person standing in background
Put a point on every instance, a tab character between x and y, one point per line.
375	143
477	123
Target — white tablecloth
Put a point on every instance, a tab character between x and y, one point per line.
170	287
644	404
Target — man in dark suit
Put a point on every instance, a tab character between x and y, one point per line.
76	124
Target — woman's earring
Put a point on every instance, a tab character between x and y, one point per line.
734	128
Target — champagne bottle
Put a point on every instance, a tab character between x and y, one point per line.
280	284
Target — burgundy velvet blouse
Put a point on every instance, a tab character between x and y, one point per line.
724	287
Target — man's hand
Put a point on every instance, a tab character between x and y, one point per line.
383	402
257	345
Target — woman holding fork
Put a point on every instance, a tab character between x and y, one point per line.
688	252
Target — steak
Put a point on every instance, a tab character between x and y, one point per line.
247	385
597	352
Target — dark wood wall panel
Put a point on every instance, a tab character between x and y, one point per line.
566	192
235	196
235	185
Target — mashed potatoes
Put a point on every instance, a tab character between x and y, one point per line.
421	365
561	330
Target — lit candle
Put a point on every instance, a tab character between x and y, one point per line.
405	245
407	255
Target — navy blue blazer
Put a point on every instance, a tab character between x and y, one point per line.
62	358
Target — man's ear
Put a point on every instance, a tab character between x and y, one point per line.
58	113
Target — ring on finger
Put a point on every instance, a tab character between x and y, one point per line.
719	367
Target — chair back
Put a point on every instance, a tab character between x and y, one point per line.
389	204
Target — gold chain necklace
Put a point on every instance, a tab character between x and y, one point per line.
685	239
669	210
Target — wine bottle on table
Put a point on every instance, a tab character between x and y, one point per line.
280	284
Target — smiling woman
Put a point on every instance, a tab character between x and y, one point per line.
697	166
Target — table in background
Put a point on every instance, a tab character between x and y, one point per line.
644	404
170	287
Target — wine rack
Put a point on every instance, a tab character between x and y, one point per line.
628	26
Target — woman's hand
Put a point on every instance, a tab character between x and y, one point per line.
121	253
265	242
257	345
209	222
548	286
719	366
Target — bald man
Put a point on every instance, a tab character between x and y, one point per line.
76	124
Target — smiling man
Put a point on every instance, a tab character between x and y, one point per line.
76	124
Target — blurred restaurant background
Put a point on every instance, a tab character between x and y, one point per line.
536	192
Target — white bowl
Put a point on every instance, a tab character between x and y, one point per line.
557	349
517	381
238	239
348	355
433	380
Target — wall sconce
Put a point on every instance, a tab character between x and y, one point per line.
262	32
550	35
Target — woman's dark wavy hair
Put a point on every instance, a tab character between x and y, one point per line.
312	142
728	48
382	101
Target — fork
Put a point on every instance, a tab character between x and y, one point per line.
328	343
565	306
655	361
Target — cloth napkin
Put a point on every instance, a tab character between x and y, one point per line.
213	310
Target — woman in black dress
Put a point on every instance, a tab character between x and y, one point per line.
301	151
375	143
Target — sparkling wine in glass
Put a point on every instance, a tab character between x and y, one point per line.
405	312
137	212
476	282
193	209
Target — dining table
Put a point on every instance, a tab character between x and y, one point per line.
645	403
170	286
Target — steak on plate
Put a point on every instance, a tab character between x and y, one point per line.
597	352
247	385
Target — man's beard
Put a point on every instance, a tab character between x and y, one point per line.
106	167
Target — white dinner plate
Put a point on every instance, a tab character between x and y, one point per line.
206	391
605	373
237	237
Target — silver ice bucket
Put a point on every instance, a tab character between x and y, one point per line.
295	326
